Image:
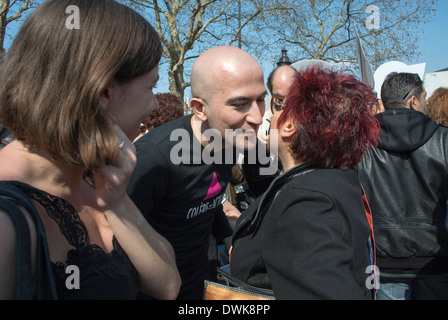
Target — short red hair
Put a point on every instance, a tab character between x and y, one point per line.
170	108
332	112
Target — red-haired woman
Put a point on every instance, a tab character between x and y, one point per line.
306	237
170	108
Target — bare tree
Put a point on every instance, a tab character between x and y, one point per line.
311	29
188	27
324	29
11	11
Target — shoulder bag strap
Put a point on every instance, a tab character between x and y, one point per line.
24	271
371	241
45	283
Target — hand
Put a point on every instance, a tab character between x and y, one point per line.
231	212
111	180
150	253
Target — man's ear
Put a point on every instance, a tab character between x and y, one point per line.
288	129
411	102
198	106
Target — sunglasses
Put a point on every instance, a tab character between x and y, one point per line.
277	104
416	83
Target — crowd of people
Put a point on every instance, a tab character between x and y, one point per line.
356	191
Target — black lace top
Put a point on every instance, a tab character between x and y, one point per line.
102	275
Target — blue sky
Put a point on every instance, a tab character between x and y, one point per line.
433	45
434	41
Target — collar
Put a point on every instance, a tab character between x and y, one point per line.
276	185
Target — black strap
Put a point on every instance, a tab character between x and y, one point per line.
11	197
229	280
24	271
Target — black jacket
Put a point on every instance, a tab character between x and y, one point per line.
306	237
406	183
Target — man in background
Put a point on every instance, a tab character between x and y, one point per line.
406	183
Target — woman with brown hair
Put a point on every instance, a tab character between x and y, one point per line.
437	108
307	236
73	99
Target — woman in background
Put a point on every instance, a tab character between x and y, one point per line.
437	108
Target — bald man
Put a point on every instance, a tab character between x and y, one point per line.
228	91
175	185
279	82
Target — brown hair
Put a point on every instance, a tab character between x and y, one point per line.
52	77
438	106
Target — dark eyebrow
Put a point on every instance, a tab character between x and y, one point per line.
237	99
278	95
244	98
264	94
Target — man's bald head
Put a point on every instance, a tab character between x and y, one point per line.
228	91
281	79
214	68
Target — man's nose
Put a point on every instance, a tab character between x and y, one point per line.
256	113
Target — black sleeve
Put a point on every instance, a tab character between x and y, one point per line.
221	228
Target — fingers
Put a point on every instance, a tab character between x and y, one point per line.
120	171
111	180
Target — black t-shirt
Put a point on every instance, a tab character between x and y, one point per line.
179	195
